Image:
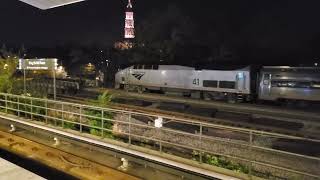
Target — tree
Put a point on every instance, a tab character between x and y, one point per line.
22	51
162	35
8	67
4	53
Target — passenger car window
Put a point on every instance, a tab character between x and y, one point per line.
290	84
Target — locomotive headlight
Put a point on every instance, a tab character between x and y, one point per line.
163	72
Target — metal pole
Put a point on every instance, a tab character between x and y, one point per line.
24	80
200	143
6	99
250	151
54	84
80	119
129	128
31	109
102	123
18	106
62	114
46	111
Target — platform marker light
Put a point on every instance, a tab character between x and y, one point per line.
13	128
125	164
56	141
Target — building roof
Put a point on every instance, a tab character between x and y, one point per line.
48	4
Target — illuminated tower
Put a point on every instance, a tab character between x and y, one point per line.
129	23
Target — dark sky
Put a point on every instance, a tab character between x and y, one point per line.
276	26
90	21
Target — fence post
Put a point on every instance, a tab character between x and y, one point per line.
25	107
31	104
160	146
46	115
6	99
55	113
129	128
102	123
18	106
62	119
250	151
80	119
200	133
160	138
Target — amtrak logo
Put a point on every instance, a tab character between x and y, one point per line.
138	75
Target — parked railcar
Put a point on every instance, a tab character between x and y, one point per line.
210	84
289	83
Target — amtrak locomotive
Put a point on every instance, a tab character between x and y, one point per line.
274	83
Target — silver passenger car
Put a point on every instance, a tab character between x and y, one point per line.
289	83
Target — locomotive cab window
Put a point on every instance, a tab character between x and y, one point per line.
227	84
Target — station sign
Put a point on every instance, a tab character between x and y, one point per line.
38	64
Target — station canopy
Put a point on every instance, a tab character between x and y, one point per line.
47	4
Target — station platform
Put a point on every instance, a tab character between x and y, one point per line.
9	170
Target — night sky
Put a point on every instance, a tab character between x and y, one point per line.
282	28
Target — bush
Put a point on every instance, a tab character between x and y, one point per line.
222	162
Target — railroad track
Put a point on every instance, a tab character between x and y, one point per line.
195	118
305	115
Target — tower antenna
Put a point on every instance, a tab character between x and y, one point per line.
129	4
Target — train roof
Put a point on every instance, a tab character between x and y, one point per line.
180	67
290	69
175	67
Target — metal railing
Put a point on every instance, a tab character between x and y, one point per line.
256	153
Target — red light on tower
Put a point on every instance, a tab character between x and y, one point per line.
129	22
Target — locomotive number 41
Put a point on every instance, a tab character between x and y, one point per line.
195	82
